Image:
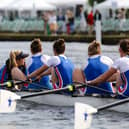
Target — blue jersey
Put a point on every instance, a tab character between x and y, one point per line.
36	63
64	72
94	69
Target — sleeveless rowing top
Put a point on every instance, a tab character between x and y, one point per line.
95	68
44	82
64	72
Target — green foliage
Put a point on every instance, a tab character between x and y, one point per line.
91	2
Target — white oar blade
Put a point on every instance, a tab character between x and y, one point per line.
8	101
83	115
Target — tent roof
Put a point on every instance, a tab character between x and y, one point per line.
60	3
30	5
114	4
4	3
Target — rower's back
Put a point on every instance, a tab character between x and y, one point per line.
95	66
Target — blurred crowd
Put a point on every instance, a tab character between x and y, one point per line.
68	21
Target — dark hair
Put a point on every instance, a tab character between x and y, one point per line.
59	46
36	46
124	45
94	48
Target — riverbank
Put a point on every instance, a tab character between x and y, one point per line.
108	39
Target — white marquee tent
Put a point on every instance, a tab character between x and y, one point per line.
30	5
114	4
64	3
4	3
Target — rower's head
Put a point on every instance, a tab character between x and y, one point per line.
94	48
59	47
36	46
124	47
17	58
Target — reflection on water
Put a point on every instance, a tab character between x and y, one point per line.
32	115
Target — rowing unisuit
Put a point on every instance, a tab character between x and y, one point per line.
63	68
35	62
97	65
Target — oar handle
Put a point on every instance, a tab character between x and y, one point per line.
11	83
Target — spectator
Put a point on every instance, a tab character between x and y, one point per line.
83	22
97	16
122	18
90	22
70	22
45	19
110	13
85	14
61	21
52	23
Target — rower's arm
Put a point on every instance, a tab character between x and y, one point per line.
113	77
47	72
102	78
38	71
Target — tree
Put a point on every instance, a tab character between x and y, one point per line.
91	2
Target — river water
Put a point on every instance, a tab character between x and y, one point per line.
30	115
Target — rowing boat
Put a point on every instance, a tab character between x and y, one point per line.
68	101
53	98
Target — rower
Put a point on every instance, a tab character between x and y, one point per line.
121	64
96	65
14	68
35	61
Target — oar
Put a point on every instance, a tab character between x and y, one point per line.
83	112
10	99
69	88
83	115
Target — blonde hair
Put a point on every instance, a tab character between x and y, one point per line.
12	59
94	48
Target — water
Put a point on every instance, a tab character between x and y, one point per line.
32	115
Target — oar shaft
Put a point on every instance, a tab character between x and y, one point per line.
69	88
122	101
44	92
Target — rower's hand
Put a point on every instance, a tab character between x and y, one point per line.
28	79
88	82
38	78
92	83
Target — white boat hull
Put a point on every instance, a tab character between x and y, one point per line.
63	100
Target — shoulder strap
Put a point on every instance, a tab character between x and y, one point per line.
3	74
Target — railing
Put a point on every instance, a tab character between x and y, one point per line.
38	25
